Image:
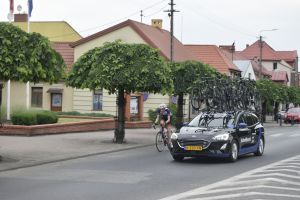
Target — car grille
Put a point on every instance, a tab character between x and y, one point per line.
202	143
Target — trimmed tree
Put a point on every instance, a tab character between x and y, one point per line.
121	68
28	57
185	75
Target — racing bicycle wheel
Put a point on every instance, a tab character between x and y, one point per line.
160	144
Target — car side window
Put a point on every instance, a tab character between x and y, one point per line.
254	119
241	119
249	120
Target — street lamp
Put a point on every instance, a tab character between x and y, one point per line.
260	48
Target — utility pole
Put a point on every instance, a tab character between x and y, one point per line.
141	16
260	56
261	49
171	15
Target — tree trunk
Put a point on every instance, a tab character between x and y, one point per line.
179	115
276	110
264	111
120	121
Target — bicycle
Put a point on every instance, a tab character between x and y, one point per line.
161	140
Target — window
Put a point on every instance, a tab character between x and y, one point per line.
37	97
98	99
274	66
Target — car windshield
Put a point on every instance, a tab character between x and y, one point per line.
212	121
294	110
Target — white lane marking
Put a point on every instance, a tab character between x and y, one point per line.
276	135
230	180
247	194
250	187
282	170
273	175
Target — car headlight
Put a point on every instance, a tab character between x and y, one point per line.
174	136
224	136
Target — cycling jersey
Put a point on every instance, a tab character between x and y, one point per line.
164	114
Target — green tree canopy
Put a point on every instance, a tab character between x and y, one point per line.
121	68
185	75
28	57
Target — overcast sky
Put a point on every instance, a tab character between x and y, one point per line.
216	22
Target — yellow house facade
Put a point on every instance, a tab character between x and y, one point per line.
128	31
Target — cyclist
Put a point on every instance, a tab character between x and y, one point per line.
165	116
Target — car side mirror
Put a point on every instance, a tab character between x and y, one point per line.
242	125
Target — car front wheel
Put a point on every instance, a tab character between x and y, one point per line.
261	148
234	152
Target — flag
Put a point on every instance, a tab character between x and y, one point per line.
11	6
30	7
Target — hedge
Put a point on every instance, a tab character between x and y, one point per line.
75	113
34	117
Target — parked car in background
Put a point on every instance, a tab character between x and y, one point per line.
226	135
281	115
293	114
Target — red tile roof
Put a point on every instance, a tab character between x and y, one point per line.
66	51
253	51
256	67
155	37
212	55
288	56
280	76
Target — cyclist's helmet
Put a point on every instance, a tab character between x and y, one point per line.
162	106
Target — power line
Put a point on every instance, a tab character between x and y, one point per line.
114	21
233	28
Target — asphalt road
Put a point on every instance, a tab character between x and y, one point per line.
145	173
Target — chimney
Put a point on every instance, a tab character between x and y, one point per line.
247	45
157	23
20	17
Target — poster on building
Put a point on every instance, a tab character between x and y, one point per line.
134	105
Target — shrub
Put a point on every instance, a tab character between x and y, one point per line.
46	117
152	115
75	113
33	117
24	118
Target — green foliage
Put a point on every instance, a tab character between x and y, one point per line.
117	65
75	113
24	118
46	117
33	117
186	74
152	115
28	57
271	91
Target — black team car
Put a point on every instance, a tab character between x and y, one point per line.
226	135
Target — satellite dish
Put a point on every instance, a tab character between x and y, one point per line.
19	8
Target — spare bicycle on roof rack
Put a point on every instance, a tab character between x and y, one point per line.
227	125
225	94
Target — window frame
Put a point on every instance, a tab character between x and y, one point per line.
99	94
35	96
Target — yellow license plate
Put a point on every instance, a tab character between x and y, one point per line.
193	148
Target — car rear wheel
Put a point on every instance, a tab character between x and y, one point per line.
234	152
261	148
178	158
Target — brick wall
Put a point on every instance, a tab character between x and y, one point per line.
104	124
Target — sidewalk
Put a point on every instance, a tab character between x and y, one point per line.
18	152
